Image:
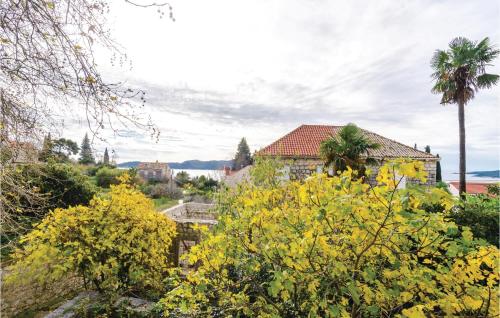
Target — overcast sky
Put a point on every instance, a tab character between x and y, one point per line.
258	69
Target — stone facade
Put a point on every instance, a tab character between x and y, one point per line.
299	169
154	171
430	169
187	215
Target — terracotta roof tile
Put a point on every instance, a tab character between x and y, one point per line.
473	187
305	141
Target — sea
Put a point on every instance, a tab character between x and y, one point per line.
454	176
214	174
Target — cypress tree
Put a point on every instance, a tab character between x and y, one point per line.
243	157
86	156
439	178
46	151
105	159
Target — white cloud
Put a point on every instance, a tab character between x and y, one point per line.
229	69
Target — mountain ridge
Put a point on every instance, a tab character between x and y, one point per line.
187	164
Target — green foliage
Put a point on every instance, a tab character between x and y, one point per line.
242	157
60	185
59	149
65	185
346	149
164	203
337	247
86	155
105	176
46	151
119	244
460	71
52	185
442	185
204	184
159	190
182	178
494	189
63	148
267	172
105	159
481	213
439	177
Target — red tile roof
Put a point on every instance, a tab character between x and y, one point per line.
473	187
304	142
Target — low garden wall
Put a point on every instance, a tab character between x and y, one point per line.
186	215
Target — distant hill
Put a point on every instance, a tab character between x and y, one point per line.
199	164
486	174
188	164
128	164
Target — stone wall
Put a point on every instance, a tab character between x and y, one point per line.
187	215
300	169
430	168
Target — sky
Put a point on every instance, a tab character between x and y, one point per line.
258	69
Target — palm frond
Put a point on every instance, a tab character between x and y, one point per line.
486	53
439	60
460	71
487	80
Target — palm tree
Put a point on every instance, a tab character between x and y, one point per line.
459	73
347	149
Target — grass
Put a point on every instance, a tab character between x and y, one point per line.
164	203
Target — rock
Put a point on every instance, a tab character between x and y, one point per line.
67	310
129	306
133	304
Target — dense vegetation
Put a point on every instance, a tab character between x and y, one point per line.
243	157
348	149
54	185
332	247
328	246
118	243
481	213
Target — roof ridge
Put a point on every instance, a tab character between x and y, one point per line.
400	143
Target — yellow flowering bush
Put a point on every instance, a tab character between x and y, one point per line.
119	243
337	247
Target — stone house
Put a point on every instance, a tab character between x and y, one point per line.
232	178
154	171
300	149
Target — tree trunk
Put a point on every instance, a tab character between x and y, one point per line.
461	124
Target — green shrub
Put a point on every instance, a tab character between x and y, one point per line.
337	247
107	176
119	244
53	185
66	185
481	213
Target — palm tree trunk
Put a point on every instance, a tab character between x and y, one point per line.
461	124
